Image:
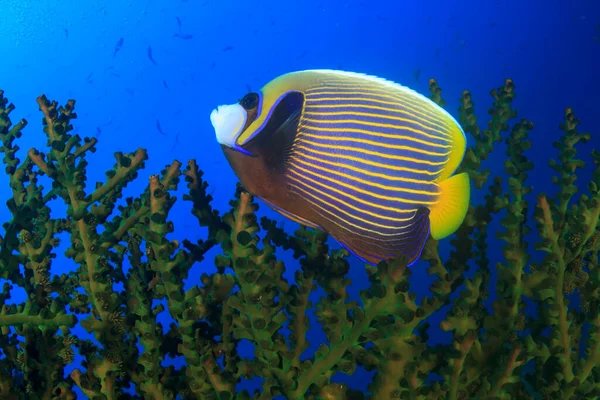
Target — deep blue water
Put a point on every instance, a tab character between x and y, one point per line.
207	52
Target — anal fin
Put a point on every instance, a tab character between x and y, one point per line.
409	242
292	216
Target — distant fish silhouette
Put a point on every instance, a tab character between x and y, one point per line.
118	47
417	74
159	128
150	57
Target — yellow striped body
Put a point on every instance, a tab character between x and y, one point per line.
366	160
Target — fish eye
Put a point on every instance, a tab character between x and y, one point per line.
249	101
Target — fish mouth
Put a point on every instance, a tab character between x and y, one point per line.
228	122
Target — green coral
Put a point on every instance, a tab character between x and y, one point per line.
500	353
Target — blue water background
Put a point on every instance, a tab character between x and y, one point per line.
222	49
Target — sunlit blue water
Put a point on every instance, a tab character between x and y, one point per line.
148	73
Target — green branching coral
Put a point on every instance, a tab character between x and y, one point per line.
498	353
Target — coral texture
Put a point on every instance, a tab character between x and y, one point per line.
497	352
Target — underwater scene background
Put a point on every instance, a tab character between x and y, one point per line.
506	308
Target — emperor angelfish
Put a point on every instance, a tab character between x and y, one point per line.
364	159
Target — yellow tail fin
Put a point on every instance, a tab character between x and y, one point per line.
449	212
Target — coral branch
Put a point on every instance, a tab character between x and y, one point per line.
563	324
129	262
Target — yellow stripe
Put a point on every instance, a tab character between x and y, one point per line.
366	192
371	100
295	219
375	242
371	107
290	215
372	242
378	134
368	162
368	123
396	89
369	183
357	199
369	152
410	98
345	212
337	217
366	172
403	99
441	135
362	210
378	144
